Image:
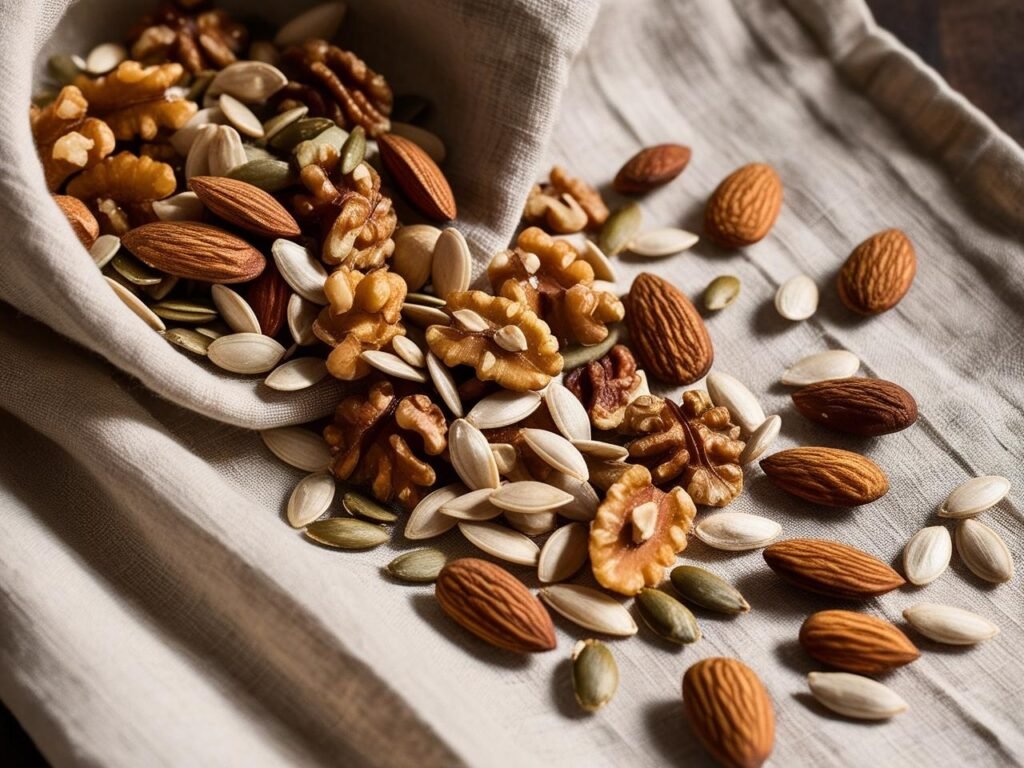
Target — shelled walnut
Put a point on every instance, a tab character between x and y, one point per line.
198	40
525	463
364	314
502	340
694	442
66	138
637	532
337	84
375	438
565	204
125	179
606	386
549	277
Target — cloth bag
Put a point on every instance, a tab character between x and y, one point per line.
157	611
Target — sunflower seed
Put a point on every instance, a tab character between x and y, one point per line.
245	353
297	374
289	137
585	500
975	496
133	270
721	292
347	533
321	21
409	351
555	451
240	116
595	676
183	138
597	449
426	520
821	366
181	207
234	309
983	552
567	412
529	496
707	590
298	448
414	254
429	142
251	82
225	151
358	505
184	311
393	365
662	242
505	457
729	392
312	150
104	58
563	553
667	617
532	523
501	542
471	456
949	625
279	122
589	609
737	531
926	556
601	264
421	566
761	439
301	269
797	298
475	505
424	316
579	355
189	340
452	265
502	409
444	383
134	303
619	229
310	499
301	314
855	696
104	249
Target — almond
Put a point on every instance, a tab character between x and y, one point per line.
829	476
744	207
84	224
878	273
831	568
195	251
667	333
730	711
858	406
650	168
418	177
856	642
268	296
495	606
245	206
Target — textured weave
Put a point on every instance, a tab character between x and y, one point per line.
156	609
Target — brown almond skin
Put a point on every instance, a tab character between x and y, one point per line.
84	224
856	642
730	711
245	206
878	273
268	296
830	568
650	168
857	406
743	208
667	333
418	176
829	476
194	251
495	606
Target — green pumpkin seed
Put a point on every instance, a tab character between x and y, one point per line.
309	151
360	506
620	228
302	130
133	270
253	153
189	340
425	298
199	84
347	533
353	150
721	292
595	675
421	566
63	68
279	122
707	590
576	356
183	311
270	175
667	617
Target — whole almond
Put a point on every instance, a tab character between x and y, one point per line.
878	273
744	207
495	606
831	568
667	333
268	296
829	476
730	711
856	642
245	206
857	406
84	224
650	168
195	251
418	177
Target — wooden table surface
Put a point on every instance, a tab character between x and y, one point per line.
974	44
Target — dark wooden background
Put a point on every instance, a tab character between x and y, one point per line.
975	44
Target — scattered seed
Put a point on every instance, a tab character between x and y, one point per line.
501	542
347	533
298	448
707	590
421	566
361	506
667	617
721	292
595	675
589	609
311	498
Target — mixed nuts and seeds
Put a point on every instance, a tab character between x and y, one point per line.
193	158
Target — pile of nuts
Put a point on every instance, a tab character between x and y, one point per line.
520	415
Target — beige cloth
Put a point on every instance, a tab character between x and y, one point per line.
156	609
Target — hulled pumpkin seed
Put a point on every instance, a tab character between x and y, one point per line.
64	69
189	340
184	311
667	617
707	590
347	533
620	228
295	133
310	151
353	150
360	506
595	675
721	292
579	355
133	270
421	566
424	298
270	175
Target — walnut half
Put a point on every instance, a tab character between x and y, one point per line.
607	386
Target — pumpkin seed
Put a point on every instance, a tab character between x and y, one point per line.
579	355
133	270
620	228
975	496
298	448
189	340
347	533
855	696
926	556
251	82
501	542
471	456
301	314
667	617
662	242
360	506
821	366
567	412
104	249
601	264
421	566
730	392
532	523
414	255
321	21
597	449
105	58
563	553
300	373
353	150
246	353
288	138
270	175
505	457
301	269
426	520
529	496
393	365
310	499
595	676
475	505
425	298
737	531
555	451
707	590
311	150
585	500
184	311
444	383
452	265
214	331
409	351
240	116
134	303
502	409
161	290
234	309
424	316
949	625
797	298
589	609
761	439
983	552
280	121
721	292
